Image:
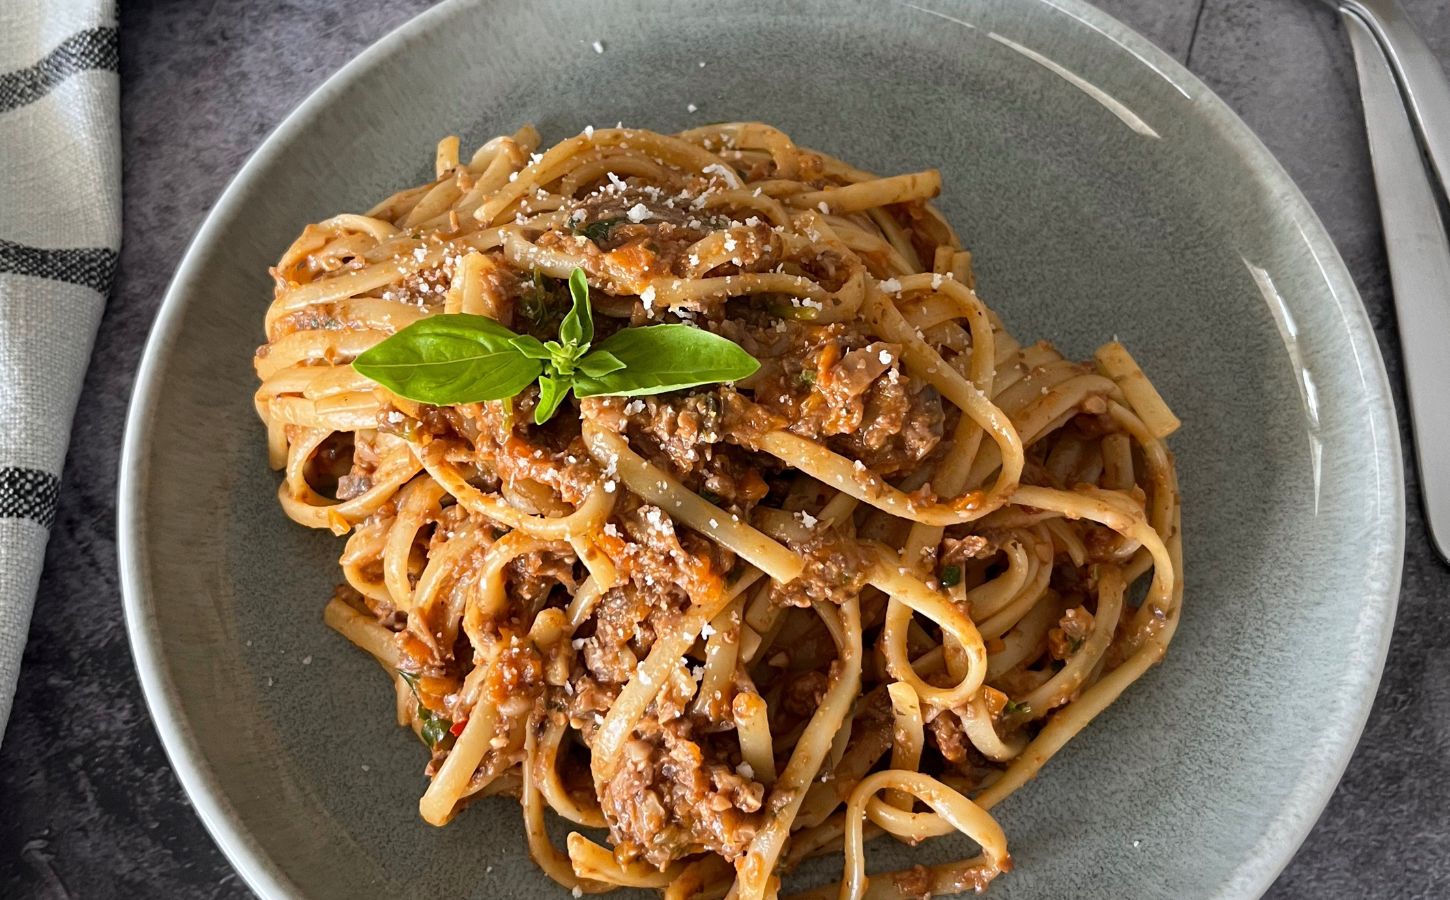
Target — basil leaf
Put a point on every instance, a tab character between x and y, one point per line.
578	326
448	359
552	391
663	358
531	347
600	362
951	576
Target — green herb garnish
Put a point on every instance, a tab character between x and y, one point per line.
598	232
1014	707
435	727
951	576
461	358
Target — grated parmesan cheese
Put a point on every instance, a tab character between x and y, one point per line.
724	172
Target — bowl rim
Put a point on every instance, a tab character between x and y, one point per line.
1290	824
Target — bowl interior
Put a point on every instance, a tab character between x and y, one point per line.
1160	221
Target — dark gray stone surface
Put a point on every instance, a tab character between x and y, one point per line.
88	805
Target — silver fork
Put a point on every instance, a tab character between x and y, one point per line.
1404	89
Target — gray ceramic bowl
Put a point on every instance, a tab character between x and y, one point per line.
1104	190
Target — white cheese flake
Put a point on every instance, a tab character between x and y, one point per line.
825	210
889	286
638	213
724	172
807	519
885	357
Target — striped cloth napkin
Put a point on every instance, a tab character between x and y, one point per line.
60	228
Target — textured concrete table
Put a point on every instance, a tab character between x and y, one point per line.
89	807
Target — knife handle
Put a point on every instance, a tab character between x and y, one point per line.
1421	79
1419	257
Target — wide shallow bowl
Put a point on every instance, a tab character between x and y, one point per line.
1104	191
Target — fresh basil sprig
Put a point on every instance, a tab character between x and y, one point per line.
460	358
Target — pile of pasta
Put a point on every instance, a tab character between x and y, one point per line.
992	619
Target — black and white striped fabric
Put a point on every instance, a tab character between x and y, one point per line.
60	228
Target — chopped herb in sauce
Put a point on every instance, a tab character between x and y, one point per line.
435	726
598	232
